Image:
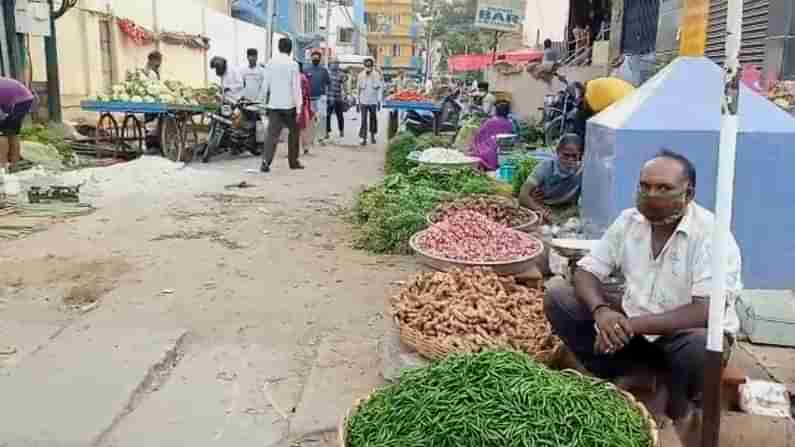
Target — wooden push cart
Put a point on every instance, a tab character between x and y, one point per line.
176	130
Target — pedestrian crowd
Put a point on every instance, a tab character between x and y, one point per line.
303	99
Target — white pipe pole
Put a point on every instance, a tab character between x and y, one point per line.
724	198
271	16
328	32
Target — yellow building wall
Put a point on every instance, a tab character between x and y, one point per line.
79	51
399	33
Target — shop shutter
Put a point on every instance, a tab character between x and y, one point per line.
755	19
640	26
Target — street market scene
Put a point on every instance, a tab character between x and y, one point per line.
383	223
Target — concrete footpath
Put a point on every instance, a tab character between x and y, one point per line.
74	389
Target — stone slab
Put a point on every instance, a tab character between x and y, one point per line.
396	357
20	339
72	390
217	395
779	362
345	370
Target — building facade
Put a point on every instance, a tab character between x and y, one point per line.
347	34
768	39
297	19
95	52
393	34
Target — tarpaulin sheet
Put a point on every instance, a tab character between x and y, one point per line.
474	62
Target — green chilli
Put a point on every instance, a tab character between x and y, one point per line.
500	399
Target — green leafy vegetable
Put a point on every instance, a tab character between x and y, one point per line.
396	152
389	213
524	168
50	136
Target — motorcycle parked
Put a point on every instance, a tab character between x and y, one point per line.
233	129
560	111
419	122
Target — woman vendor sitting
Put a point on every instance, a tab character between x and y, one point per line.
553	188
484	146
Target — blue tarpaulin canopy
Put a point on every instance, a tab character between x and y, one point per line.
679	109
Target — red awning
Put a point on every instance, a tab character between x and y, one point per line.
474	62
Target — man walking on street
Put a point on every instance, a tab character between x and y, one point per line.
252	75
319	83
336	98
282	90
371	90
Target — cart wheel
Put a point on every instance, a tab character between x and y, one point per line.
189	138
169	138
132	134
107	132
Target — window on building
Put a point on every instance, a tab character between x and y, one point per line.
345	35
395	50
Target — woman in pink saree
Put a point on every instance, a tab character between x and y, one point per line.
484	146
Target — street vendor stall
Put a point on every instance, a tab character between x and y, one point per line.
396	106
176	131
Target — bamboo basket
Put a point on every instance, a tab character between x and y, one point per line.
437	350
654	431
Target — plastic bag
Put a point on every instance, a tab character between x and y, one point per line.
764	398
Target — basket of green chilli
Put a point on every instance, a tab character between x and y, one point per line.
499	399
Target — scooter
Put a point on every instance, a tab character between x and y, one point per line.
419	122
560	111
233	129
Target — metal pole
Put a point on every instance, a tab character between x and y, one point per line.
724	198
271	14
53	80
328	32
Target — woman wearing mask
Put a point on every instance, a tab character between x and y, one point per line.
553	189
306	115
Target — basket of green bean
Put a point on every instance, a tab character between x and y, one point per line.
501	399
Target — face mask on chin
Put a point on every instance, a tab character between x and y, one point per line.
662	208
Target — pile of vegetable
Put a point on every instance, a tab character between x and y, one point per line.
410	96
397	152
500	399
472	237
139	88
429	140
524	168
52	137
443	155
466	134
389	213
499	209
474	310
783	94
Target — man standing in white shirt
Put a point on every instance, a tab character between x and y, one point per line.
252	76
371	95
282	91
663	248
231	84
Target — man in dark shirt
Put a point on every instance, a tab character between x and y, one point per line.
336	98
15	103
319	83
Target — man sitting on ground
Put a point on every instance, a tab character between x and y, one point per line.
663	248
